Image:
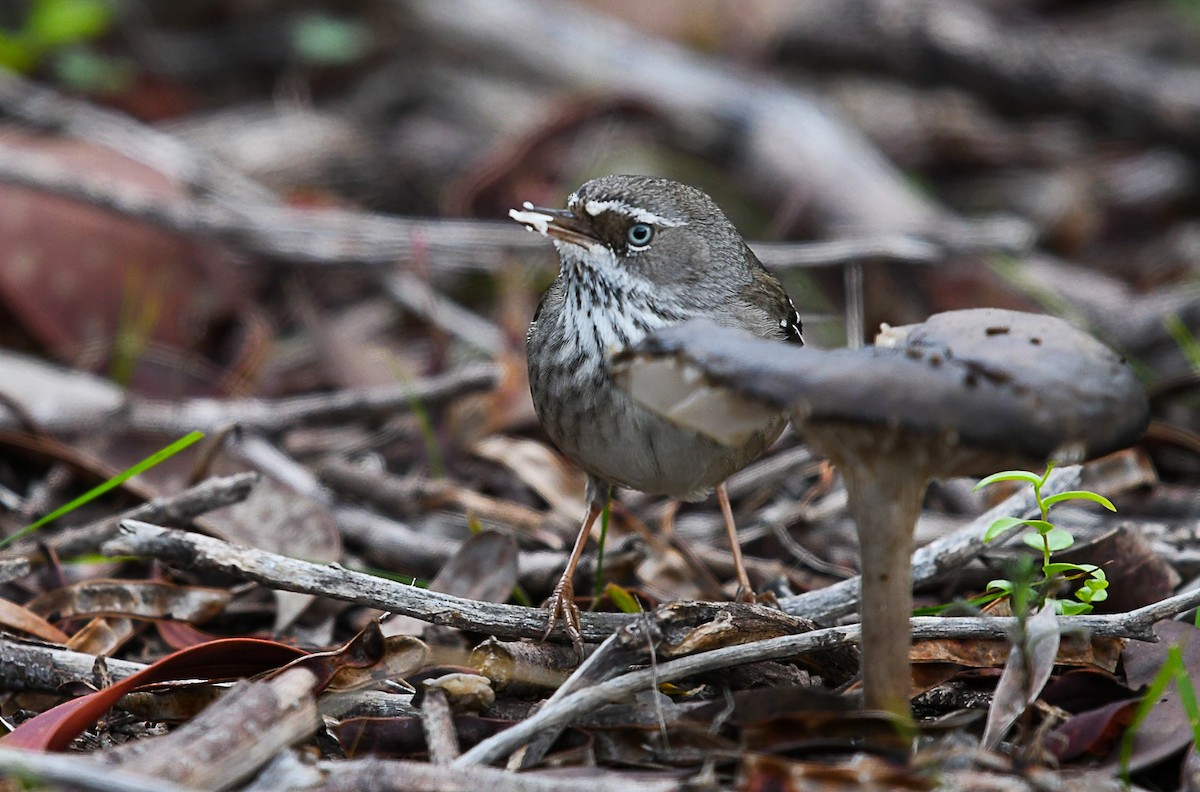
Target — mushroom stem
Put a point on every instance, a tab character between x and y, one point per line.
885	508
885	471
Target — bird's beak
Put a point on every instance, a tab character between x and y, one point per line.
555	223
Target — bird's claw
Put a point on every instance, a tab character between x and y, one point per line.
562	606
745	595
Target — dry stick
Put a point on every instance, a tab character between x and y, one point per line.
278	571
1134	624
44	108
342	238
397	494
273	570
268	415
437	721
177	509
79	772
37	666
418	297
337	237
393	775
233	737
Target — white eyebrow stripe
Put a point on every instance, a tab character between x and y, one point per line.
594	208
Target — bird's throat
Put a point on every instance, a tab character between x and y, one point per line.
606	307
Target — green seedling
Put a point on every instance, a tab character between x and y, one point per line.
141	309
324	40
1184	339
625	602
50	25
395	577
1049	539
429	436
58	37
115	481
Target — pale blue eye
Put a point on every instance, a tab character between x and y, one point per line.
640	234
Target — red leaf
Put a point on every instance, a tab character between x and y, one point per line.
228	658
1095	731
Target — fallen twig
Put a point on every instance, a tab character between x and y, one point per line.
561	713
511	621
276	415
79	772
176	509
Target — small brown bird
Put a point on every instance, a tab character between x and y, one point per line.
639	253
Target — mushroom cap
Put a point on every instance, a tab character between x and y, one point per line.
1024	387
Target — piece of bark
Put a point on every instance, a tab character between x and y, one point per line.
232	738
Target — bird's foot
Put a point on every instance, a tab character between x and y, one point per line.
745	595
562	606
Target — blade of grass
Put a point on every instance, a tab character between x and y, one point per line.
115	481
1173	670
433	449
599	585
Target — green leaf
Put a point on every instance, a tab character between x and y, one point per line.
1005	523
1067	608
17	54
1000	526
1058	539
81	69
1078	495
624	601
53	23
1009	475
1156	690
1002	585
1055	539
602	544
322	39
974	602
1050	570
1187	693
115	481
521	597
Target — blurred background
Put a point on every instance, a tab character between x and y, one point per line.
1042	151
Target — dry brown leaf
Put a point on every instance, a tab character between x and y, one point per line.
558	483
142	599
103	635
19	619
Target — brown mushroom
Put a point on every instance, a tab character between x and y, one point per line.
963	393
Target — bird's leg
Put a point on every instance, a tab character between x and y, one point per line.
667	524
562	602
745	592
